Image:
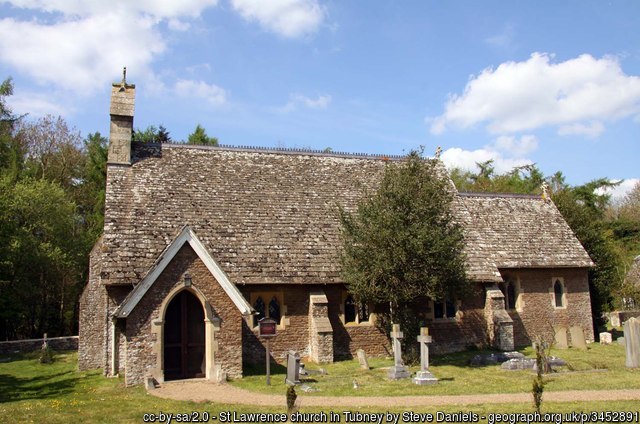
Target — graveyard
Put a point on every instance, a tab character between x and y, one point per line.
30	391
599	367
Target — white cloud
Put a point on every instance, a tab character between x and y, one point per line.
81	55
456	157
35	104
519	96
200	89
289	18
592	130
295	100
160	9
507	152
516	147
619	192
88	42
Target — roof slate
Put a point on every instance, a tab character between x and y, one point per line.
515	231
271	217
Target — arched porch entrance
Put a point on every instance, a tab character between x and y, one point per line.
184	338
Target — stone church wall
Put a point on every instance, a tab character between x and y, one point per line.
536	314
143	344
93	319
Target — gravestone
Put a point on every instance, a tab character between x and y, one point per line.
620	340
424	376
518	364
632	342
293	368
398	370
362	359
605	338
577	338
494	358
560	336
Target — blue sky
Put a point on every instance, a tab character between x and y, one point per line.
551	82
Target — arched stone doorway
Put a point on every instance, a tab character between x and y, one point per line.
184	338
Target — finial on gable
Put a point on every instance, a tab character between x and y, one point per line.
545	191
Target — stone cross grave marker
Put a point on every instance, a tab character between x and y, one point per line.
362	358
577	337
632	342
398	370
561	341
424	376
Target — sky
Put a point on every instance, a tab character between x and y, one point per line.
555	83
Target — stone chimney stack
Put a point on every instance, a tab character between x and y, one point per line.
123	97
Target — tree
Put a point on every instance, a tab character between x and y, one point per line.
53	150
402	244
152	135
11	151
525	179
199	136
94	184
630	206
41	260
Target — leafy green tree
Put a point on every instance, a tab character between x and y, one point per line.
53	150
11	151
41	260
525	179
94	184
402	243
199	136
152	134
629	209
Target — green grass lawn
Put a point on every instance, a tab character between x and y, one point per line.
58	393
598	368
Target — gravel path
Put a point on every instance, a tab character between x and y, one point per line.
200	391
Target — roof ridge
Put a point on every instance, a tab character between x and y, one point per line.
505	195
287	150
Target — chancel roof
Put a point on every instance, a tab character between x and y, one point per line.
270	217
515	231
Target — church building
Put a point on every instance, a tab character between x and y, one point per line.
201	242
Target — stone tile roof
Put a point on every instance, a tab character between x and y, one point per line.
515	231
271	216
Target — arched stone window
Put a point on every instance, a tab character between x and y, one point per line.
274	310
511	295
259	307
558	294
349	310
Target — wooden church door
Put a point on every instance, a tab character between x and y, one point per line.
184	338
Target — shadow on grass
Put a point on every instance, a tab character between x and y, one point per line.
50	383
255	369
464	359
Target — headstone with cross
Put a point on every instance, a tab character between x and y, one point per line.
424	376
398	370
